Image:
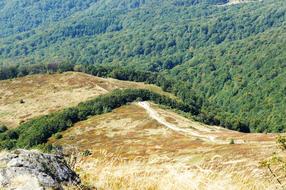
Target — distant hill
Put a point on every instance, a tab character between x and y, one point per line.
231	57
32	96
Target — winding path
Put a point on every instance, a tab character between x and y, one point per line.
156	116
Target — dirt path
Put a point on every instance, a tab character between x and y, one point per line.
187	131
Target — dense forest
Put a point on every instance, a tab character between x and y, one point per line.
227	60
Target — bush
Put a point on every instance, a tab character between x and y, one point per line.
231	141
3	128
86	153
58	136
7	144
47	148
138	99
277	162
11	134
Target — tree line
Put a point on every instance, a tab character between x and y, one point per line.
37	131
179	88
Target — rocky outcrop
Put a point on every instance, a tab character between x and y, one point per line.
24	169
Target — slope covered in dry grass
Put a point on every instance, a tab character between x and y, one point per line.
130	149
43	94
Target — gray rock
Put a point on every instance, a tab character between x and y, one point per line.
25	169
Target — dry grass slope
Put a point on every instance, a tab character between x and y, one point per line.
43	94
131	150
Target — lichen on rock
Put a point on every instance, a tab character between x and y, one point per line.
26	169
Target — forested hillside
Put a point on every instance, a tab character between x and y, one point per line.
230	59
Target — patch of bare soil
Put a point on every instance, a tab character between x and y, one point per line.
235	2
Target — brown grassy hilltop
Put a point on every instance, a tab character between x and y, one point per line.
43	94
131	149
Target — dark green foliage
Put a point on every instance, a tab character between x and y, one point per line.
24	15
238	86
7	144
122	31
38	130
86	153
8	72
58	136
46	147
12	134
3	128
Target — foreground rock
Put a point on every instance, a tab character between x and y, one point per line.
23	169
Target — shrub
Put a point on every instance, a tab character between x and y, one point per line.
231	141
277	162
7	144
11	134
47	148
138	99
58	136
3	128
86	153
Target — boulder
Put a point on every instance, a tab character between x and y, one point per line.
26	169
